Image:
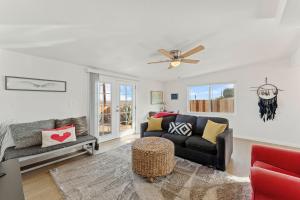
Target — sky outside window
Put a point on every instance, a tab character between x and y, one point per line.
202	92
218	89
199	93
126	93
107	91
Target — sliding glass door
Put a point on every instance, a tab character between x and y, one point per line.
116	108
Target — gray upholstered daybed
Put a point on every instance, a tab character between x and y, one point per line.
28	140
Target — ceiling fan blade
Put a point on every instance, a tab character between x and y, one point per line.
190	61
162	61
192	51
166	53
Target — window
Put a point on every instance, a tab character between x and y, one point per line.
105	114
126	107
211	98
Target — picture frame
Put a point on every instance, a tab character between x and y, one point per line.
34	84
174	96
157	97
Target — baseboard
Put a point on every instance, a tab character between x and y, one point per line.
268	141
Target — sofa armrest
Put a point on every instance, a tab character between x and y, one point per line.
224	148
283	158
274	185
144	127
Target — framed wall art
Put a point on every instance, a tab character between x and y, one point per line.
34	84
157	97
174	96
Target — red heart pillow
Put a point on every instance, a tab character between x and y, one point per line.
60	135
60	138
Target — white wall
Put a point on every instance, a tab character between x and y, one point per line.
143	100
24	106
285	129
295	58
18	106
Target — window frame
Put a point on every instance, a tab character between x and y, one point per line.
209	85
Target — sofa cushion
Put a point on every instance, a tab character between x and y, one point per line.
12	153
201	123
212	130
81	127
200	144
274	168
177	139
63	122
30	134
180	128
153	133
187	119
164	114
51	137
166	122
154	124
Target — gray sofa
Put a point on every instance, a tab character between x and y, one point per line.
27	138
194	147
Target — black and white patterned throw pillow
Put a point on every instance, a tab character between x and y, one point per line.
180	128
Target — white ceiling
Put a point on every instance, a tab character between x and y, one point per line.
123	36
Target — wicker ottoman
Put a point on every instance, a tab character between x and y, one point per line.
153	157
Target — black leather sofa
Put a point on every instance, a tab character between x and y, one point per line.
195	148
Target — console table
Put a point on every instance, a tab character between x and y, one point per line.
11	184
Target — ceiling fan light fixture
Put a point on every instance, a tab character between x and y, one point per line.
175	57
175	63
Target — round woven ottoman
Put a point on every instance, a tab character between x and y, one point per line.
153	157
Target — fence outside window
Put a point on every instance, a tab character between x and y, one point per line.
211	98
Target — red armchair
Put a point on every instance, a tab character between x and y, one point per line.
275	173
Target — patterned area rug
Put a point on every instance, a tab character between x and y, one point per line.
108	176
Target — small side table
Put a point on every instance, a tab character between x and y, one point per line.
11	184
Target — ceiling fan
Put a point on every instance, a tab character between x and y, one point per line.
176	57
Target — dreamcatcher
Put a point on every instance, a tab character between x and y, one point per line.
267	95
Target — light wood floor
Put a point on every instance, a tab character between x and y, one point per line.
38	184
